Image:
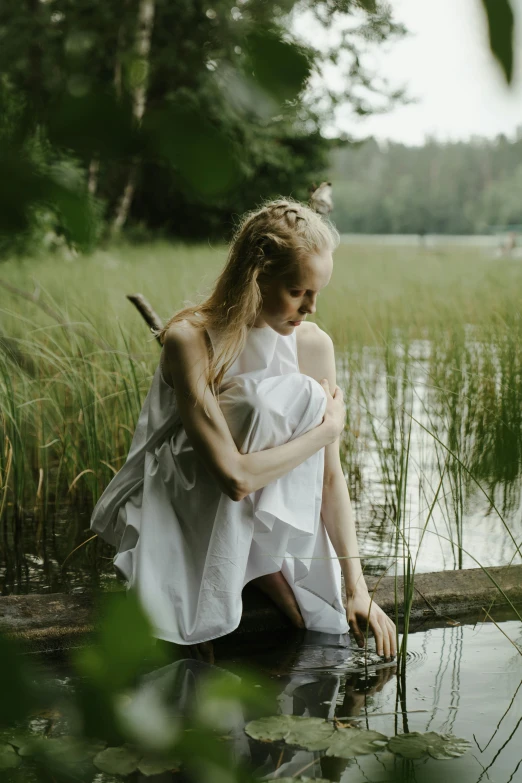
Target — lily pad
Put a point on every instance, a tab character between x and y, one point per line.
348	743
302	780
15	737
94	747
9	758
66	748
28	749
72	749
271	729
439	746
310	733
117	761
157	766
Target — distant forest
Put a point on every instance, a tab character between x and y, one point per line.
470	187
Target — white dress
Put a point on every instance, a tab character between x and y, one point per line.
184	546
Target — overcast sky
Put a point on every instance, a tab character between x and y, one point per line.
445	62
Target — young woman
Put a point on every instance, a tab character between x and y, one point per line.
234	474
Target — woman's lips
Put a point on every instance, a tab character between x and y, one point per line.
295	323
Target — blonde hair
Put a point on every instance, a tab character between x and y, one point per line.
270	240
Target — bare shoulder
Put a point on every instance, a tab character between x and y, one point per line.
315	351
311	337
183	336
184	345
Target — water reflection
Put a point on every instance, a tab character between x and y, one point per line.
314	675
435	431
464	680
431	423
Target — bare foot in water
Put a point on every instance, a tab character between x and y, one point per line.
278	589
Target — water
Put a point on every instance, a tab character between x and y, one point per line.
39	556
417	411
488	242
456	497
464	680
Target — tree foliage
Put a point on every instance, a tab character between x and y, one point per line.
441	188
227	112
176	114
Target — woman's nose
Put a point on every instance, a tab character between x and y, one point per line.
309	305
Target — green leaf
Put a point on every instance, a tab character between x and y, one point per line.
501	28
301	780
31	184
18	694
222	686
279	67
117	761
97	708
270	729
9	759
94	124
16	737
76	212
145	719
311	733
124	642
439	746
316	734
66	749
150	766
348	743
308	733
199	150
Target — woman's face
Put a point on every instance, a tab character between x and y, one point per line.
289	299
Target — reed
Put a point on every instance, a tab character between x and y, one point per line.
429	349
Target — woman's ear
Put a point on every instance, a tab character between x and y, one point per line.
263	281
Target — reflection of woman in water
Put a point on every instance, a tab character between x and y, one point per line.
180	687
234	473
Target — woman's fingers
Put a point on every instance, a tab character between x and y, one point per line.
379	636
381	626
384	632
386	638
325	385
359	636
393	636
336	393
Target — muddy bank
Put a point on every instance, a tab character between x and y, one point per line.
56	621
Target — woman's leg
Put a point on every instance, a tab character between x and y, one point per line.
278	589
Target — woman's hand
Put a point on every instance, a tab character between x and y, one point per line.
361	610
335	411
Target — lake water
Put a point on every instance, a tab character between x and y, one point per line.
432	456
464	680
430	475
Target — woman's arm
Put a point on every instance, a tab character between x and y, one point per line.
316	354
185	366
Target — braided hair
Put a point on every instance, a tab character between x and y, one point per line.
270	241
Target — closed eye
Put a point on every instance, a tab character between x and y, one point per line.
296	293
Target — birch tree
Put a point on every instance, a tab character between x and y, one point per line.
139	70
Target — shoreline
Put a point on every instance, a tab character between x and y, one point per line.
55	622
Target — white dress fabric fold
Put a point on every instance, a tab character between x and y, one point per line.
184	546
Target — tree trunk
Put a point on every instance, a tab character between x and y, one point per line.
121	45
34	74
139	97
123	208
92	179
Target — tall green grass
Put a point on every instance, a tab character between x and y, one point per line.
429	350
